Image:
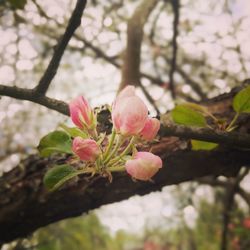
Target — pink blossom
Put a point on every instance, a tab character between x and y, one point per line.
128	91
143	166
85	149
81	113
129	113
150	129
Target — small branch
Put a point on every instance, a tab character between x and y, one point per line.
225	184
74	22
150	99
192	83
175	6
31	95
232	139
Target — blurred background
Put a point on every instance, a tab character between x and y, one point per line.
213	57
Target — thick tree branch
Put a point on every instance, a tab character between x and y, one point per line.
25	205
74	22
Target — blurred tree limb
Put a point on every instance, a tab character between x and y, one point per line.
175	6
132	54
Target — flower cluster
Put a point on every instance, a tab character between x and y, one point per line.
131	124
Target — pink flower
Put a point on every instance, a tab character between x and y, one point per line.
129	113
143	166
150	129
81	113
85	149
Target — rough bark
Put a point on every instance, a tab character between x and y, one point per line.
25	205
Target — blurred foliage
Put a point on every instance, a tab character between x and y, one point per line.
13	4
74	234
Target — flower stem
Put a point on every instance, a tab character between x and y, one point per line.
212	116
125	151
117	169
114	151
111	142
232	122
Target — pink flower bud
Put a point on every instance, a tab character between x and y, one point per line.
150	129
129	113
85	149
143	166
128	91
81	113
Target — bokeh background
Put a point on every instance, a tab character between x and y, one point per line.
213	57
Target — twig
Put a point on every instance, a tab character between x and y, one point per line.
74	22
150	99
175	6
232	139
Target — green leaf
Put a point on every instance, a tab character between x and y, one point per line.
195	107
185	115
203	145
241	102
57	141
57	176
74	132
18	4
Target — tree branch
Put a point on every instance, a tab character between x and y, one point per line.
226	184
132	56
232	139
175	6
228	206
74	22
25	205
31	95
37	95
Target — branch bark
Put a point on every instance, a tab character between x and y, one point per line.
31	95
232	139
